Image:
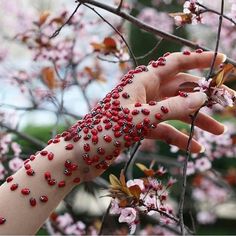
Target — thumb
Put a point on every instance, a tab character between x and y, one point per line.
171	108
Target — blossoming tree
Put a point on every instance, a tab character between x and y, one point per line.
77	48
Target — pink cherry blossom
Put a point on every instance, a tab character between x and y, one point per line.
2	172
157	19
64	220
115	209
203	164
138	182
15	164
16	148
128	215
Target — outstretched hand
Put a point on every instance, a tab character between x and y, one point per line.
138	107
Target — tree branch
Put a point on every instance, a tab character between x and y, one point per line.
150	29
26	137
117	31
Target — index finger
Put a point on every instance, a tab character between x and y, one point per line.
178	62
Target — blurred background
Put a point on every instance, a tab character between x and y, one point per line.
47	83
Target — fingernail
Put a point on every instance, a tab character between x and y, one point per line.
225	129
202	149
224	58
196	100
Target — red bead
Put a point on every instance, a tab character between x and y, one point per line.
101	151
107	138
126	110
49	141
125	95
27	166
146	121
32	157
2	220
14	187
137	104
50	156
86	147
109	157
164	109
166	54
9	179
56	140
87	137
186	52
43	198
44	153
183	94
86	130
61	184
47	175
51	182
73	167
145	111
117	144
108	126
30	172
67	172
199	50
155	64
95	139
69	146
26	161
116	103
161	63
76	180
152	103
94	132
95	158
68	164
99	128
139	126
25	191
158	116
127	138
32	202
116	152
135	112
115	95
161	59
117	134
77	138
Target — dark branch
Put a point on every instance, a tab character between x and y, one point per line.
148	28
26	137
117	31
67	22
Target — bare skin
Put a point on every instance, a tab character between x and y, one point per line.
155	84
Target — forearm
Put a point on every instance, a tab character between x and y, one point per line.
25	213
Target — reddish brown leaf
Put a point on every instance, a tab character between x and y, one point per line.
135	191
48	75
109	43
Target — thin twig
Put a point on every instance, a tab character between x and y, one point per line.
26	137
120	5
137	58
207	9
68	21
217	40
149	28
184	184
117	31
135	149
188	153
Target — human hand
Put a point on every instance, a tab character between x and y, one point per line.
137	108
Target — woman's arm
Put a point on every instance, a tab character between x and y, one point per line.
133	110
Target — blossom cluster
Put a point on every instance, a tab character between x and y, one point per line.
147	195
